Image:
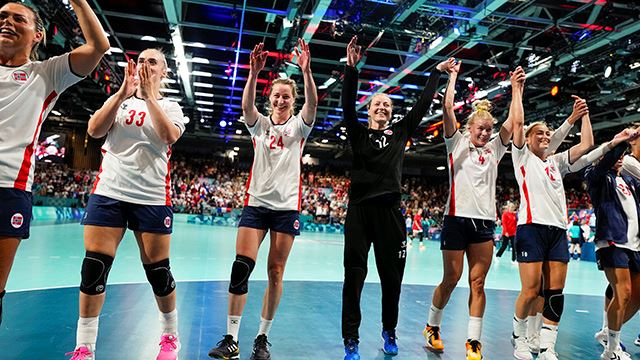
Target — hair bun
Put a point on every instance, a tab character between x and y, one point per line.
482	105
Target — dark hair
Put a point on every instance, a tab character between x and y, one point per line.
37	19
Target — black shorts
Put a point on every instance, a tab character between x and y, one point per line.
576	241
15	213
459	232
105	211
284	221
618	258
537	243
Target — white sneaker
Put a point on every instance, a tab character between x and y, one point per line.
548	354
615	355
520	348
534	343
602	337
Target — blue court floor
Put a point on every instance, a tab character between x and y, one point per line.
41	305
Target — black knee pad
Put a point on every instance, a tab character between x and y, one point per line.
240	272
160	277
95	270
609	292
553	304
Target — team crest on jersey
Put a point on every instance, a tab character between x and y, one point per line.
286	132
20	76
17	220
388	132
167	222
296	224
624	189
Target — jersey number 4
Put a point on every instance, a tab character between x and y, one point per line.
132	118
276	142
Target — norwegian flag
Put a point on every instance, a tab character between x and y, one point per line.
20	76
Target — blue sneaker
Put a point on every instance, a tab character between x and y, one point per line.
390	347
351	350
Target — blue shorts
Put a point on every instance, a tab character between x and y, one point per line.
618	258
460	232
538	243
15	213
105	211
284	221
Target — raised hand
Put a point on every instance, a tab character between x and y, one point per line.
580	109
517	78
130	83
258	58
303	55
354	52
450	66
146	82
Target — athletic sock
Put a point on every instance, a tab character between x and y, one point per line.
435	316
531	326
519	327
233	326
548	336
265	326
614	340
474	329
87	332
169	322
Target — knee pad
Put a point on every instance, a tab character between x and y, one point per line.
240	272
95	270
609	292
553	304
160	277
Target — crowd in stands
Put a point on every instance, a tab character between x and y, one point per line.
214	186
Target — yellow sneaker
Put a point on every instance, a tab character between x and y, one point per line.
474	350
432	337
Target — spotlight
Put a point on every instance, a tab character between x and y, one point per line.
607	71
554	90
223	123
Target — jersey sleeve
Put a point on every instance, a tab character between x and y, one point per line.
631	166
558	137
411	121
174	112
498	147
588	159
452	142
562	160
349	93
519	156
258	126
58	69
305	129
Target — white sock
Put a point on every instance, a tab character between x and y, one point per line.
265	326
614	340
531	326
548	336
474	329
605	320
87	332
169	322
435	316
519	327
233	326
539	322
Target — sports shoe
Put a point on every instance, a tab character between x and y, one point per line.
81	353
602	337
548	354
226	349
261	348
390	347
637	341
351	350
520	348
474	350
432	337
615	355
169	347
534	343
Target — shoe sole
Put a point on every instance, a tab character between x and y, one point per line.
389	353
434	350
236	357
255	358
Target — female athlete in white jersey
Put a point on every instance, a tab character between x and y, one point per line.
469	222
541	244
28	91
272	201
132	190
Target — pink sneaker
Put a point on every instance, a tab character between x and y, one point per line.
169	347
81	353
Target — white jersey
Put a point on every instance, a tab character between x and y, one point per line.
274	181
542	197
135	161
472	177
27	95
630	210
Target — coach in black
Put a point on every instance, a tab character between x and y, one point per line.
374	213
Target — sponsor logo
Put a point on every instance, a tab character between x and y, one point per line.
20	76
167	222
296	224
388	132
99	288
287	132
17	220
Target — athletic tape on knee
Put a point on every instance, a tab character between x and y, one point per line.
240	272
609	292
553	304
160	277
95	270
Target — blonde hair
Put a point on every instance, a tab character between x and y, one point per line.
163	58
39	28
294	91
481	111
369	104
529	128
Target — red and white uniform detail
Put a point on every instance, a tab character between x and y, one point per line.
135	161
27	95
274	182
542	197
629	205
472	177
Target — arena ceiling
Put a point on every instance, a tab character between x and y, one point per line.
568	43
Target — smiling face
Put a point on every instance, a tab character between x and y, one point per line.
20	31
538	138
480	131
380	110
282	100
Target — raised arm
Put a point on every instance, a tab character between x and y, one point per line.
516	110
558	136
85	58
448	115
164	127
586	134
420	108
258	58
102	120
616	148
350	86
310	93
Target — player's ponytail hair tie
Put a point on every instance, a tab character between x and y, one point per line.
481	111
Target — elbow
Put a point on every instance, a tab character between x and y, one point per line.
93	132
